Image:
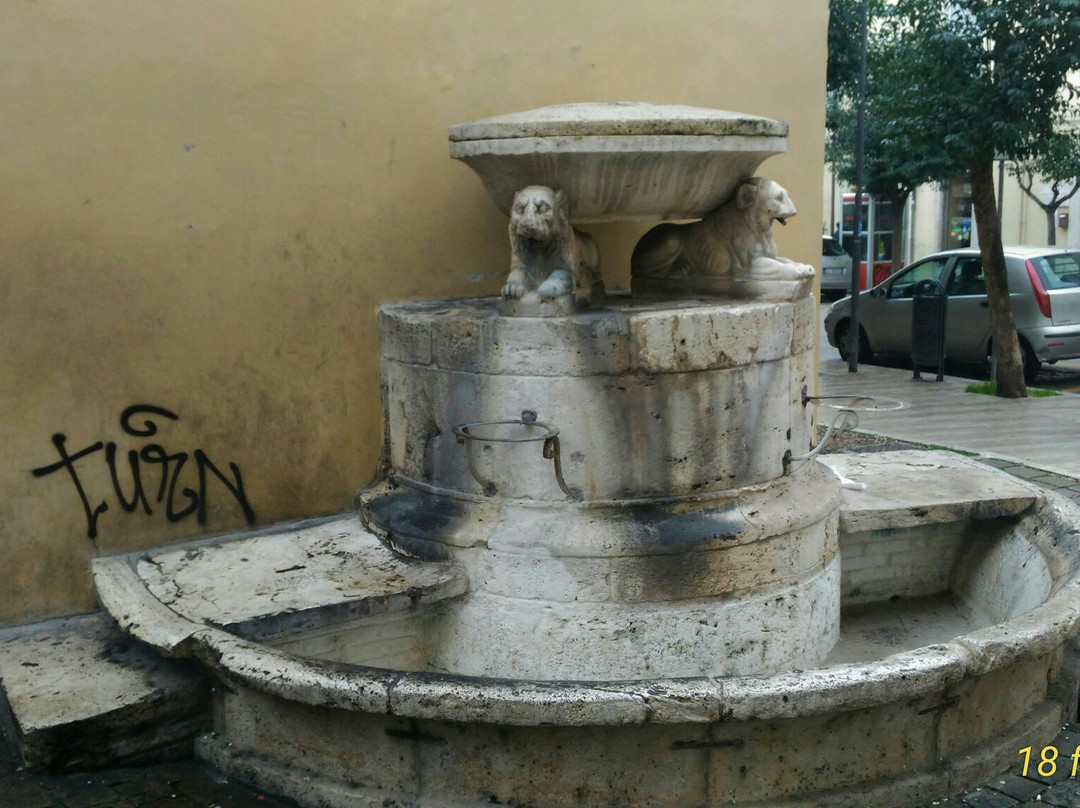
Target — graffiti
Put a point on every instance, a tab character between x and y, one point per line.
177	505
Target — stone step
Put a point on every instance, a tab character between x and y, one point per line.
76	693
917	487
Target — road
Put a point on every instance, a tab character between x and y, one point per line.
1063	376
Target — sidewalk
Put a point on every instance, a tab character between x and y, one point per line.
1043	433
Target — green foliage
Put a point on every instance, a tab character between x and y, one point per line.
842	73
1058	162
950	83
954	85
892	165
990	389
981	79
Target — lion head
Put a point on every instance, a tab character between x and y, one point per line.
764	201
539	221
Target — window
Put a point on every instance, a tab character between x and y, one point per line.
831	247
958	215
904	283
967	278
1059	271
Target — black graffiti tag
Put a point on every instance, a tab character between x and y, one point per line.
171	464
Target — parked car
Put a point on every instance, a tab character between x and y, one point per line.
835	266
1044	284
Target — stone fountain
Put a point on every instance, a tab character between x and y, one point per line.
600	566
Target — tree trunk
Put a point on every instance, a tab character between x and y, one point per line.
1051	226
1010	368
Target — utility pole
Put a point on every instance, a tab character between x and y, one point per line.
856	259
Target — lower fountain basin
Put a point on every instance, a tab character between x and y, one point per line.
961	595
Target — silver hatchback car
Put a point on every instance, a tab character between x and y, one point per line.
1044	284
835	267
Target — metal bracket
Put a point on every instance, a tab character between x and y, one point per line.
855	402
849	407
549	435
845	419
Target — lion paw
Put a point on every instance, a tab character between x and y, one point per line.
558	284
770	269
514	289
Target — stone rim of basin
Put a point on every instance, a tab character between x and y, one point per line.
617	118
619	161
454	697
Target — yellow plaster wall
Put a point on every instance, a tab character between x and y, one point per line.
203	202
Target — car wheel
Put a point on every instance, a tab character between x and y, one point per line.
865	354
1032	365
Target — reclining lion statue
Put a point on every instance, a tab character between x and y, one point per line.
731	250
550	261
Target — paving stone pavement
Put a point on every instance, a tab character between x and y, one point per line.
1042	433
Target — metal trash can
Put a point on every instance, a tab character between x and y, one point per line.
929	306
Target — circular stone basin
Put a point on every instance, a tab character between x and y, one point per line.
619	161
940	694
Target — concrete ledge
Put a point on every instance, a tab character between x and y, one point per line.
81	694
916	487
308	681
125	596
294	578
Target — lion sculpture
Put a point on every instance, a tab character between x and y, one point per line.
731	249
550	260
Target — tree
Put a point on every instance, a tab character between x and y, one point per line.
1059	165
972	80
892	168
842	70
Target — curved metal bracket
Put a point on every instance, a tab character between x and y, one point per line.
548	434
855	402
551	452
845	419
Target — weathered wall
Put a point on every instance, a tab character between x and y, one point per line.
203	203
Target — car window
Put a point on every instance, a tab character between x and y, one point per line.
967	278
903	284
831	247
1059	271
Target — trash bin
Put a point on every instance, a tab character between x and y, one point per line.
929	306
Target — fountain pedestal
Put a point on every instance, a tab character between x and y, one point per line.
678	548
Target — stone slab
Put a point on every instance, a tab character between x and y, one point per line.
79	694
921	487
625	118
292	578
619	161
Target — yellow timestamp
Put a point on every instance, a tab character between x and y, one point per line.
1047	765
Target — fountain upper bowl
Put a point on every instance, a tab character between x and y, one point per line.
619	161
